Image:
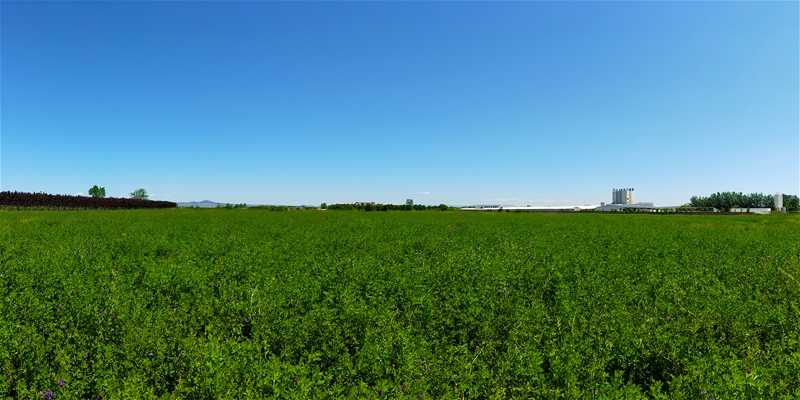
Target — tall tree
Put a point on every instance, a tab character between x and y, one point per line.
97	192
140	194
791	202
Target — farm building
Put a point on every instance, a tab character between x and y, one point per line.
752	210
621	200
639	207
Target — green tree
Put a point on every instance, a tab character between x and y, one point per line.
791	202
97	192
724	201
443	207
139	194
323	206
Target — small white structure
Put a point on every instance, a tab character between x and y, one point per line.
638	207
779	202
752	210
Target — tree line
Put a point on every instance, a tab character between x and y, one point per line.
22	200
98	192
724	201
384	207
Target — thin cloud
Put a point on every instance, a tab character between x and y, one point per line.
79	194
425	192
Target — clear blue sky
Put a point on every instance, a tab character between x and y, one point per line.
441	102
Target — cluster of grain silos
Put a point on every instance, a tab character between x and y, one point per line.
622	196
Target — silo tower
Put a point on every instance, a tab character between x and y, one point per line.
779	202
622	196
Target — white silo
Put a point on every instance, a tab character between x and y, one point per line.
622	196
779	202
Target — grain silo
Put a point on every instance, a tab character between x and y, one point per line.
622	196
779	202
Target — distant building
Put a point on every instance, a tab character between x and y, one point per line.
622	196
639	207
622	199
752	210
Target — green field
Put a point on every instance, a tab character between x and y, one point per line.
442	305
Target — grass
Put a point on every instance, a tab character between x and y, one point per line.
246	303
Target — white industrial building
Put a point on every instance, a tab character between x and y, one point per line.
639	207
752	210
622	196
623	200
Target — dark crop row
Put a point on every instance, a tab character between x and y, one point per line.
21	200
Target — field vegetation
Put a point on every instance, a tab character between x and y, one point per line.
219	303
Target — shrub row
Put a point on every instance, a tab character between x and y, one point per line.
21	200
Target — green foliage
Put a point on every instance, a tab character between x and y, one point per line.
140	194
791	203
95	191
383	207
229	206
724	201
217	304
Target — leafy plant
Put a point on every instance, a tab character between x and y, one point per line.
97	192
218	304
139	194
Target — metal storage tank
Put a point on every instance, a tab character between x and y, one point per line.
622	196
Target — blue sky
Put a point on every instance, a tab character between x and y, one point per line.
441	102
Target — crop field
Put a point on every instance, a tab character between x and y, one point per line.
437	305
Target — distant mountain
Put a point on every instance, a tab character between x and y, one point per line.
201	204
